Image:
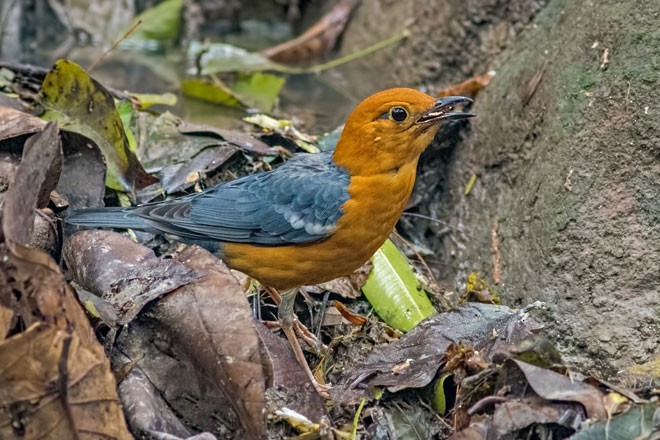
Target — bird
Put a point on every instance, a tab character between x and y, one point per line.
316	217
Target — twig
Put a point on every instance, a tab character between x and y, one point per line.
114	45
360	53
440	222
63	384
483	403
496	253
419	257
533	83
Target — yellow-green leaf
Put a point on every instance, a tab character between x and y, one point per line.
439	398
258	90
159	25
215	92
149	99
223	58
80	104
393	290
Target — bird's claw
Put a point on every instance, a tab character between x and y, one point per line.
317	347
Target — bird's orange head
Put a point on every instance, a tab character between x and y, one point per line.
392	128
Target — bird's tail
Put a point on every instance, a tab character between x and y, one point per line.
121	218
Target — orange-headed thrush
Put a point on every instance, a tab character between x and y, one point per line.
316	217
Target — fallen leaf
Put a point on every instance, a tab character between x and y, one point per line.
147	100
159	25
55	378
224	58
554	386
289	386
470	87
515	415
56	386
216	92
285	129
6	321
125	274
242	140
82	105
637	423
393	290
175	155
32	183
426	345
82	179
317	41
147	411
258	90
203	331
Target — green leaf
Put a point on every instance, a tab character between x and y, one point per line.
393	290
637	423
224	58
439	400
149	99
160	25
125	110
255	90
259	90
80	104
216	92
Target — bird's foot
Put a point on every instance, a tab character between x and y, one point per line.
317	347
323	389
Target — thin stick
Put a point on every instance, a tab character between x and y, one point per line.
419	257
114	45
360	53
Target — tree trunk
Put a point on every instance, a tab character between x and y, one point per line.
566	151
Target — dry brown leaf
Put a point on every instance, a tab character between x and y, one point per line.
203	334
32	183
348	314
82	180
6	321
554	386
15	123
317	41
54	377
125	274
54	386
470	87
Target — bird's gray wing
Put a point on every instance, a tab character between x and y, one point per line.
299	202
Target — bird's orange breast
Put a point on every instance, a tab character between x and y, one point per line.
375	205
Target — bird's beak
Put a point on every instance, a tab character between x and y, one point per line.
443	110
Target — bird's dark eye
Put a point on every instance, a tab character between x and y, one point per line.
398	114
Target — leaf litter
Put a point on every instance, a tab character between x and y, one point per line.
55	377
181	314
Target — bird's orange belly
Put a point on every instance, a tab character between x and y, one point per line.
375	205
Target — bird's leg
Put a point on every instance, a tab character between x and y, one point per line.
287	318
303	332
